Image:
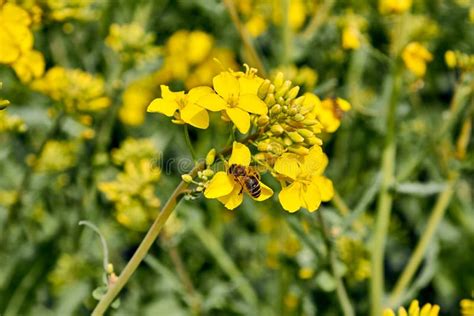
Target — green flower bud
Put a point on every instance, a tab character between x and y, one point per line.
276	109
293	93
263	89
277	129
110	268
298	117
305	133
199	189
208	173
270	99
210	157
281	91
278	81
297	138
292	111
263	120
187	178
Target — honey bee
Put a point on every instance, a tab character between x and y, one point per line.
248	178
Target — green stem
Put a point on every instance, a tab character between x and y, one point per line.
416	258
285	33
341	291
144	246
253	58
189	144
384	205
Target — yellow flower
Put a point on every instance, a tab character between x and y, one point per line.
415	56
135	99
394	6
189	110
237	97
467	307
450	58
57	156
308	186
330	112
61	10
224	187
256	25
414	310
351	37
30	65
15	35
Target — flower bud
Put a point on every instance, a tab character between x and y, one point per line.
298	117
110	268
199	189
210	157
278	81
310	122
287	141
297	138
277	129
262	146
300	150
281	91
187	178
276	109
292	111
305	133
263	89
313	141
208	173
263	120
270	99
293	93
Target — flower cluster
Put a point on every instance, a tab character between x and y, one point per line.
414	310
131	42
61	10
56	156
304	76
16	41
415	56
355	256
282	127
394	6
460	60
77	90
133	189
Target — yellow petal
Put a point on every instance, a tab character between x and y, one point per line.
287	165
325	187
212	102
290	197
311	197
388	312
221	184
252	103
195	115
166	93
414	308
240	118
434	310
402	311
425	310
197	93
30	65
226	85
9	52
265	193
240	155
315	162
160	105
249	85
234	199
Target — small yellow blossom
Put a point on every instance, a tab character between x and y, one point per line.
79	91
11	123
394	6
15	35
256	25
414	310
415	56
308	187
131	41
135	99
57	156
61	10
237	97
29	65
467	307
306	273
460	60
351	37
330	112
134	149
224	187
183	107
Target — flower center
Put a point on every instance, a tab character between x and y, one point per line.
233	100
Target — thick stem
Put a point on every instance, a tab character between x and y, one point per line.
144	246
254	59
416	258
342	296
384	205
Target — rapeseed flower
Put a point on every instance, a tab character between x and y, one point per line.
236	96
415	56
135	99
467	307
394	6
57	156
184	107
330	112
226	189
414	310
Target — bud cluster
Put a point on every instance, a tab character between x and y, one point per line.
291	123
203	176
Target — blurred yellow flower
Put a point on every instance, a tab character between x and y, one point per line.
394	6
57	156
256	25
30	65
330	112
308	187
415	56
183	107
414	310
450	58
61	10
304	76
226	189
351	37
11	123
134	149
135	100
77	90
237	97
467	307
131	41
